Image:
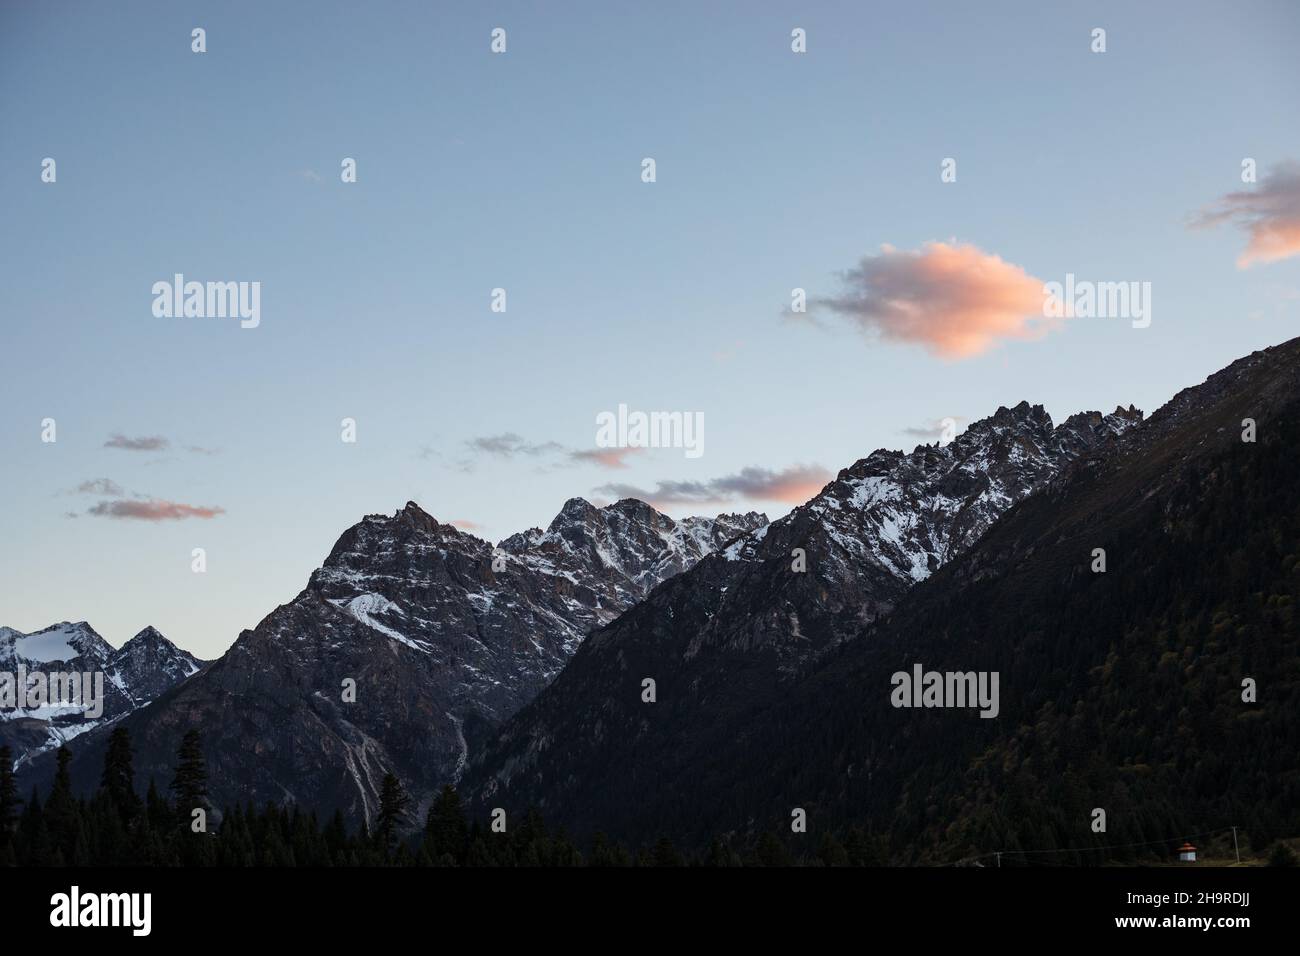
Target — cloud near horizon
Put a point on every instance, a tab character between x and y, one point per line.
147	443
613	458
952	298
153	509
153	443
793	485
1269	213
931	431
131	504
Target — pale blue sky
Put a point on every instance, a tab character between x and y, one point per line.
522	171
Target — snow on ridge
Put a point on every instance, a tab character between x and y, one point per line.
54	643
363	607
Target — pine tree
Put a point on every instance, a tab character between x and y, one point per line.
159	814
336	838
190	784
720	854
34	834
61	808
445	831
665	854
9	799
393	802
831	853
118	780
772	852
601	854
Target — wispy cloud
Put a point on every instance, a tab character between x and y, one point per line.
153	443
153	509
930	431
793	485
510	446
1269	214
119	503
954	299
145	443
104	487
466	525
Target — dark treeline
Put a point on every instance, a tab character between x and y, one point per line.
117	827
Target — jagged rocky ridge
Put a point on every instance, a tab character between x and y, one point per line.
134	674
743	621
409	645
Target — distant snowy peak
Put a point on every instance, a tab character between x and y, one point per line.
149	664
142	669
57	643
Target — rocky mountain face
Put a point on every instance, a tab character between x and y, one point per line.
149	664
133	675
746	620
627	548
1120	689
409	645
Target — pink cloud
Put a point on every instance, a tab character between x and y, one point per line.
1269	213
466	525
153	509
954	299
793	485
613	458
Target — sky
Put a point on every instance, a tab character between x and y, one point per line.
523	170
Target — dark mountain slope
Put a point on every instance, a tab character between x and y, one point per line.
734	631
1119	690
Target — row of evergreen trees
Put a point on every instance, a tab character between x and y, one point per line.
116	827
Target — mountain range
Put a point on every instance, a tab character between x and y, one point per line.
415	641
630	673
